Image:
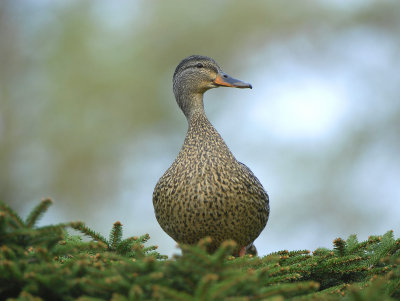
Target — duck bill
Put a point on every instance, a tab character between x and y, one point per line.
223	79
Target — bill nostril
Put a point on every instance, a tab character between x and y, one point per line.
225	76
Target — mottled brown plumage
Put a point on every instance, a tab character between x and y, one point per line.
206	191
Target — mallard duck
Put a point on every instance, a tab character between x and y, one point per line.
206	192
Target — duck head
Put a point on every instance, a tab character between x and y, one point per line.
195	75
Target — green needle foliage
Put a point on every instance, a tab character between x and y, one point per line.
47	263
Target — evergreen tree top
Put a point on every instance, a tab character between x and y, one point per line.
47	263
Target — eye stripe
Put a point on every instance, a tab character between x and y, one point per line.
210	67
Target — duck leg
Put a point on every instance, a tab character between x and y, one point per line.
242	251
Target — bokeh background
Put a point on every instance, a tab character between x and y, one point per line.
88	117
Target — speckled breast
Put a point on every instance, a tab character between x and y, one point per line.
222	200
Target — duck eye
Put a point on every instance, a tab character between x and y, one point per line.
199	65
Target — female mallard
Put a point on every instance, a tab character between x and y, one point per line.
206	191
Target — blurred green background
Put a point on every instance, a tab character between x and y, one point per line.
88	117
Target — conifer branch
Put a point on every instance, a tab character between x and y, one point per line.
226	249
89	232
46	263
3	224
15	220
218	290
144	238
204	287
115	235
340	246
172	294
37	212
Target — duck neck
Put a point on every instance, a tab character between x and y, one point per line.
200	128
191	105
